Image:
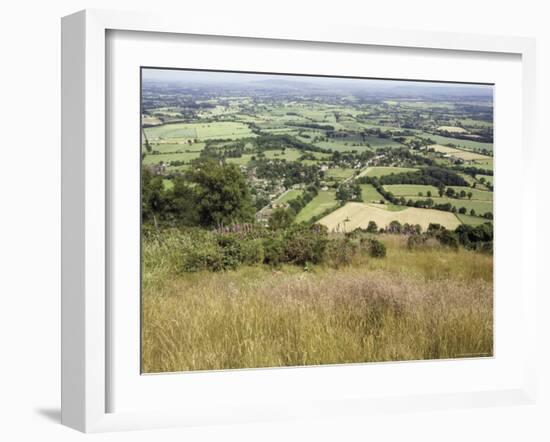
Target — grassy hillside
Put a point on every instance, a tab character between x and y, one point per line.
422	304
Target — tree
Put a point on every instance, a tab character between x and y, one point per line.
470	194
152	196
281	219
441	191
222	194
429	193
349	192
473	212
450	192
182	203
462	210
395	227
343	194
463	194
372	227
448	238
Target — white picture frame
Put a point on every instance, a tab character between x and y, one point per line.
85	202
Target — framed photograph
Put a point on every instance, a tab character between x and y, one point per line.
262	224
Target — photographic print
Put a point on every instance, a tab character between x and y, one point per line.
293	220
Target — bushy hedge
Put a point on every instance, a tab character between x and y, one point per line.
227	249
478	238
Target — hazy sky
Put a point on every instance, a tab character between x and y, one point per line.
205	77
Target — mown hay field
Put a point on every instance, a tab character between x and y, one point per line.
433	303
354	215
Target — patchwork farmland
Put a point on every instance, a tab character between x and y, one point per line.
330	147
308	220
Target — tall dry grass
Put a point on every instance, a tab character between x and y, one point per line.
427	304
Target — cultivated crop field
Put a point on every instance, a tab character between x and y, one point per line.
358	215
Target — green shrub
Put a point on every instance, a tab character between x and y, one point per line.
375	248
273	250
486	247
304	244
340	252
416	241
231	251
372	227
394	227
448	239
252	251
203	255
419	242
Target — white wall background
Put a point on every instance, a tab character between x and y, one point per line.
30	214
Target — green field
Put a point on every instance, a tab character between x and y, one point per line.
200	131
369	193
288	195
376	142
468	144
325	200
243	160
339	173
381	171
168	157
468	122
411	189
460	153
287	154
483	164
182	146
488	178
482	195
341	146
480	207
471	220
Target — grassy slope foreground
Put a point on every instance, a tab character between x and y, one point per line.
414	304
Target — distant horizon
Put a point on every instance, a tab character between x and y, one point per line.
245	79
